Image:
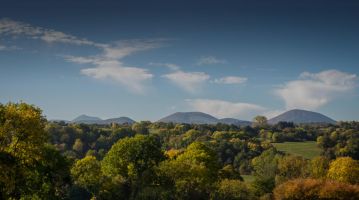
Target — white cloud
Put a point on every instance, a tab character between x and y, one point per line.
80	59
8	48
221	109
313	90
189	81
16	28
108	65
168	65
231	80
134	78
210	60
105	66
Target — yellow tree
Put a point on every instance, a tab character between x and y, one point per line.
344	169
29	168
22	131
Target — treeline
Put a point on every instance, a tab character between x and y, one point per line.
56	160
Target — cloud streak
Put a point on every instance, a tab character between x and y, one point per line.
189	81
107	65
313	90
231	80
15	28
210	60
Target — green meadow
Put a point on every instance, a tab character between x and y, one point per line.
307	149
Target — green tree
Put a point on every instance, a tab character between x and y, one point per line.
134	159
265	168
192	172
232	190
260	121
291	167
29	167
141	127
78	146
87	174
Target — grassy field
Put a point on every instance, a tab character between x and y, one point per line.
307	149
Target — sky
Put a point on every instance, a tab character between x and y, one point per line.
148	59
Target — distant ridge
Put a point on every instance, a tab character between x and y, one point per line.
85	119
190	118
200	118
301	117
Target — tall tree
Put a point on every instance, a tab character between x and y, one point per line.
134	159
193	172
260	121
344	169
29	168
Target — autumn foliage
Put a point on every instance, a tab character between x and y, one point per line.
315	189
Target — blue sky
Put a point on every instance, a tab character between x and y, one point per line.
148	59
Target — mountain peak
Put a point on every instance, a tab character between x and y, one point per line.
86	118
200	118
190	118
96	120
299	116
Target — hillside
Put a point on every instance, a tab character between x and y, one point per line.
201	118
190	118
85	119
301	117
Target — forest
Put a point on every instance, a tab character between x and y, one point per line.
41	159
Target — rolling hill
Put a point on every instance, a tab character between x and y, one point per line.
200	118
85	119
301	117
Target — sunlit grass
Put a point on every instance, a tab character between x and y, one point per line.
307	149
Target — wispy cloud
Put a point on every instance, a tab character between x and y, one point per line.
221	108
189	81
210	60
107	65
15	28
168	65
231	80
134	78
2	47
313	90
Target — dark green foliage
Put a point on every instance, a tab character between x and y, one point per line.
165	160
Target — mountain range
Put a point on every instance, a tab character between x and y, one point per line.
85	119
200	118
296	116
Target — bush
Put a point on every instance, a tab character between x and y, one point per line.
232	190
315	189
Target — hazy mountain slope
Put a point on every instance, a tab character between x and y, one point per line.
190	118
200	118
86	119
301	116
96	120
119	120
